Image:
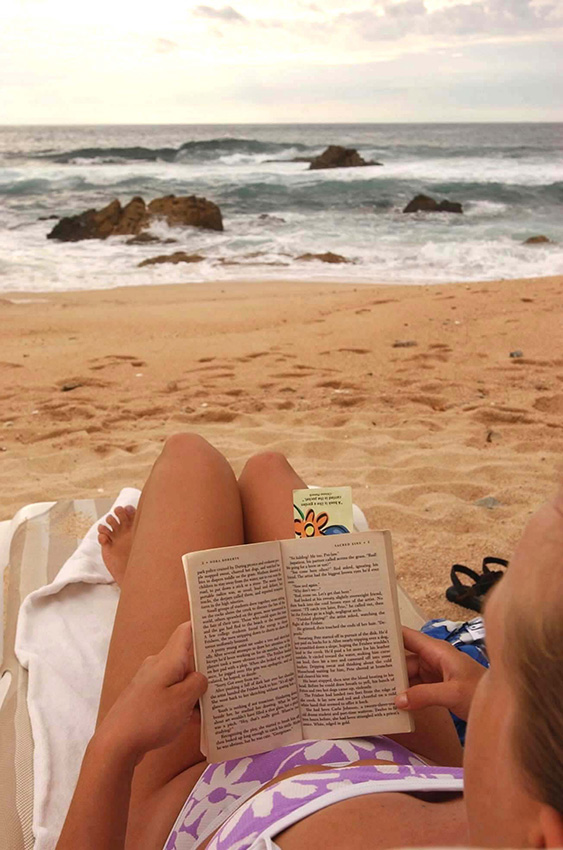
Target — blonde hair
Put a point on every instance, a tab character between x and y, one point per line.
535	649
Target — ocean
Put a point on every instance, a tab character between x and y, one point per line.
508	177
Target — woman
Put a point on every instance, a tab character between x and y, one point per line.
142	766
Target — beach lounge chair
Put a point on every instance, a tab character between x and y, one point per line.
34	545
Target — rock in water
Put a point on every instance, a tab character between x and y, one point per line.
327	257
537	240
196	212
336	156
145	238
115	220
92	224
422	203
133	218
176	257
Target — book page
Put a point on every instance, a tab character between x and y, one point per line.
348	649
242	644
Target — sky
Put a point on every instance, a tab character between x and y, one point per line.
288	61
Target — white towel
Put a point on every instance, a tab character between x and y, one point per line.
62	639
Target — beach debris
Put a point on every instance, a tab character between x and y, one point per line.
335	156
327	257
3	448
175	258
488	502
492	435
516	353
537	240
404	343
115	220
71	385
145	238
423	203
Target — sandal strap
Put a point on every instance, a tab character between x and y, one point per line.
487	561
466	571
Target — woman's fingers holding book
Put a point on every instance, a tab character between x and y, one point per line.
176	659
158	702
439	674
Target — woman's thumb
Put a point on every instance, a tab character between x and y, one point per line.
194	686
445	694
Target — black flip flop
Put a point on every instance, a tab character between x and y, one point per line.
471	595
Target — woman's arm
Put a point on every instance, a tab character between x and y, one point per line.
150	713
97	818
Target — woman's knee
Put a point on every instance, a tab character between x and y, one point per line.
264	465
190	450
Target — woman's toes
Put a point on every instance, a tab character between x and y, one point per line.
112	522
125	515
121	514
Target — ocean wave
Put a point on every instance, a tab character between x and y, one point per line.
112	155
224	147
45	186
192	151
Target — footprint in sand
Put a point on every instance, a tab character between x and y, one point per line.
549	404
347	400
355	350
435	402
215	415
335	384
492	415
290	375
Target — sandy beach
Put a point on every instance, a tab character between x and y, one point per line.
406	393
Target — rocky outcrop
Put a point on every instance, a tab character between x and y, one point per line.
422	203
145	238
192	211
327	257
136	216
336	156
537	240
175	258
266	218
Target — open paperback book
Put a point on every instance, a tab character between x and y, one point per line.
299	639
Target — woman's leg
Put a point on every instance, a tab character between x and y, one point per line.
190	502
266	486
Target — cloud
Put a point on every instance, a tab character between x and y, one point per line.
395	20
227	14
164	45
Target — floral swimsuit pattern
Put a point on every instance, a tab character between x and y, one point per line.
220	800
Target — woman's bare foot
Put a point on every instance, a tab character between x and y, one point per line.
116	541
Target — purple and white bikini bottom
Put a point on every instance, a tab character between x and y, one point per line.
227	797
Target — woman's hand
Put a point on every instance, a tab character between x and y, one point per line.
439	674
158	703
